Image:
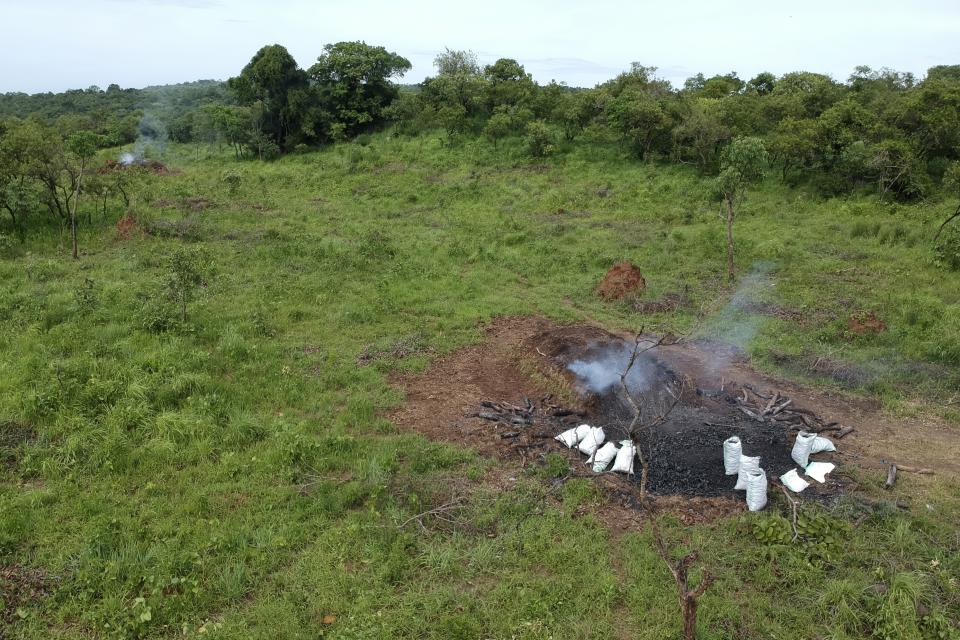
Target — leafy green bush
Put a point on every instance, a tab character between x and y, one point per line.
819	534
540	139
947	249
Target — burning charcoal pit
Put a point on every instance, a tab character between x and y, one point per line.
685	451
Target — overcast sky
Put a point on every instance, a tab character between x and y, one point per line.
51	45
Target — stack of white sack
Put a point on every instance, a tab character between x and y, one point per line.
748	464
801	448
573	437
625	456
592	441
756	490
731	455
602	458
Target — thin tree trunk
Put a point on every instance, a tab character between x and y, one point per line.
730	268
73	215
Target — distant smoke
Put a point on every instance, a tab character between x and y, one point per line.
737	323
602	371
151	141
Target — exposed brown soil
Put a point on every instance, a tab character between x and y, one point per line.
126	226
623	279
864	323
526	357
13	436
668	303
19	586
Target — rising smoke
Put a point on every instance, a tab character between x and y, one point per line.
151	140
601	372
737	323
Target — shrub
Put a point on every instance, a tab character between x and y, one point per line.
540	139
947	250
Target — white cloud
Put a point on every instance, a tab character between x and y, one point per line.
58	44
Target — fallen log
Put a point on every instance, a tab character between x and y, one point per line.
921	470
774	400
780	407
844	432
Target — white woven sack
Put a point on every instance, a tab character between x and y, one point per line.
792	480
731	455
603	457
819	470
822	444
572	437
801	448
625	456
748	464
756	490
592	441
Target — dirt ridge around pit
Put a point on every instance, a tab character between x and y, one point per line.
527	358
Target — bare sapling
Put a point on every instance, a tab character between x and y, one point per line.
689	598
647	415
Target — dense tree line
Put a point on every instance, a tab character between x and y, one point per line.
116	114
879	131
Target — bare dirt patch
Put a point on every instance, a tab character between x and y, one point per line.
13	436
127	226
866	323
528	358
20	586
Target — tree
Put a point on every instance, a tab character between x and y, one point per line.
268	80
762	84
722	86
17	193
458	87
639	118
452	63
508	84
186	272
354	83
82	145
743	164
498	126
576	112
794	144
951	181
700	134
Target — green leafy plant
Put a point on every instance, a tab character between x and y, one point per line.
816	532
186	272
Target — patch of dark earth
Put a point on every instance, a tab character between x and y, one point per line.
685	452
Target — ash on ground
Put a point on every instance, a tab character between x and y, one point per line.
685	452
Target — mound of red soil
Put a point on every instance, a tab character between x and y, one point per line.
864	323
126	226
623	279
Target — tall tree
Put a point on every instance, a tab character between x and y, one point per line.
743	164
354	80
269	79
508	84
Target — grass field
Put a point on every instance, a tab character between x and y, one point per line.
230	475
